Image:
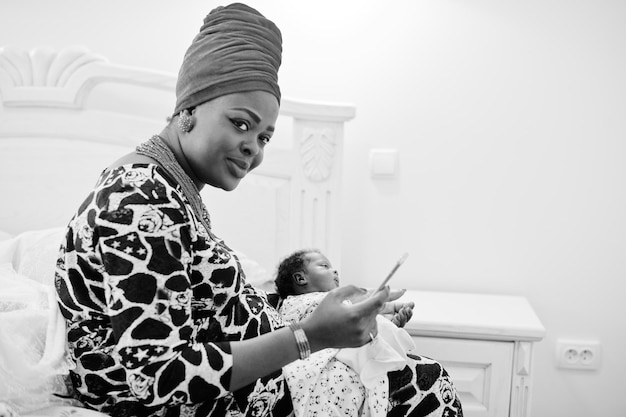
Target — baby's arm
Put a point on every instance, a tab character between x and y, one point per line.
398	313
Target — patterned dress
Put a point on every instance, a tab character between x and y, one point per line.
152	301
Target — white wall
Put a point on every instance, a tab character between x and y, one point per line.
510	121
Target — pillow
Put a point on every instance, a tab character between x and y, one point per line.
4	235
256	274
34	253
34	361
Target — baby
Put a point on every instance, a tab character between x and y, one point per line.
306	275
303	279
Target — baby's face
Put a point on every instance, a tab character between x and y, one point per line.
320	273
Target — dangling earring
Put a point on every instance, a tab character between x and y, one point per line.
185	121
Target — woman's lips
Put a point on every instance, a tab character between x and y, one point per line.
237	167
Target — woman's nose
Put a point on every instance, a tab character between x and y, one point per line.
250	147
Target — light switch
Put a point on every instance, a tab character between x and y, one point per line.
383	163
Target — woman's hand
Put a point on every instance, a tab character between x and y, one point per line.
334	323
398	313
338	324
394	294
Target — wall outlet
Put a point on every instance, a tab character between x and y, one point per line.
578	354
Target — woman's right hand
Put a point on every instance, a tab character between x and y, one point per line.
333	324
338	324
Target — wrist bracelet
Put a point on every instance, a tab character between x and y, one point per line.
301	340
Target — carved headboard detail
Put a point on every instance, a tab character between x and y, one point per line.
67	114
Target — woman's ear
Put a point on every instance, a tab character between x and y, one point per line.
299	278
185	120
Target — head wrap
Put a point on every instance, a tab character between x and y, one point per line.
236	50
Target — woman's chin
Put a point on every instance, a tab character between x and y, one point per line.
228	185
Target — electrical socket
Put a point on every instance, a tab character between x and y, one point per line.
577	354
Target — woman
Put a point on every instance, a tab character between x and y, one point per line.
160	319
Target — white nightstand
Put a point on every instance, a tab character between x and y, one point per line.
485	342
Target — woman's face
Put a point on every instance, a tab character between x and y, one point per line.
229	136
321	276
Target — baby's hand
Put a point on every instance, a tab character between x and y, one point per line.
402	317
399	313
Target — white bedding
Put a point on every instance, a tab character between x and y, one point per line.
33	359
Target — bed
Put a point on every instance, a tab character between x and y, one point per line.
65	115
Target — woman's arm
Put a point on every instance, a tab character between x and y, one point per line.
333	324
262	355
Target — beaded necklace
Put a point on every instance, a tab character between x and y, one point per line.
157	149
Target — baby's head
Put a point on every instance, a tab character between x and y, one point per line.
304	271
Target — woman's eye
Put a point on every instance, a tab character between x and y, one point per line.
241	125
264	139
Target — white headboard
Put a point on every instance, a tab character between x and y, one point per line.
67	114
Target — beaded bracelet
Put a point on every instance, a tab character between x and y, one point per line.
301	340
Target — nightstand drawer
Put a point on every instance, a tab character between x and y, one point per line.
481	371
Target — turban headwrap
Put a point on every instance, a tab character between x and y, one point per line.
237	50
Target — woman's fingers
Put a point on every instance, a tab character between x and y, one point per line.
337	323
377	299
367	310
395	294
334	323
355	294
370	307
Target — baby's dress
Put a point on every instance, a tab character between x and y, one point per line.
344	381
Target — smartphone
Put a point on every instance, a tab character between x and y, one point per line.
393	271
